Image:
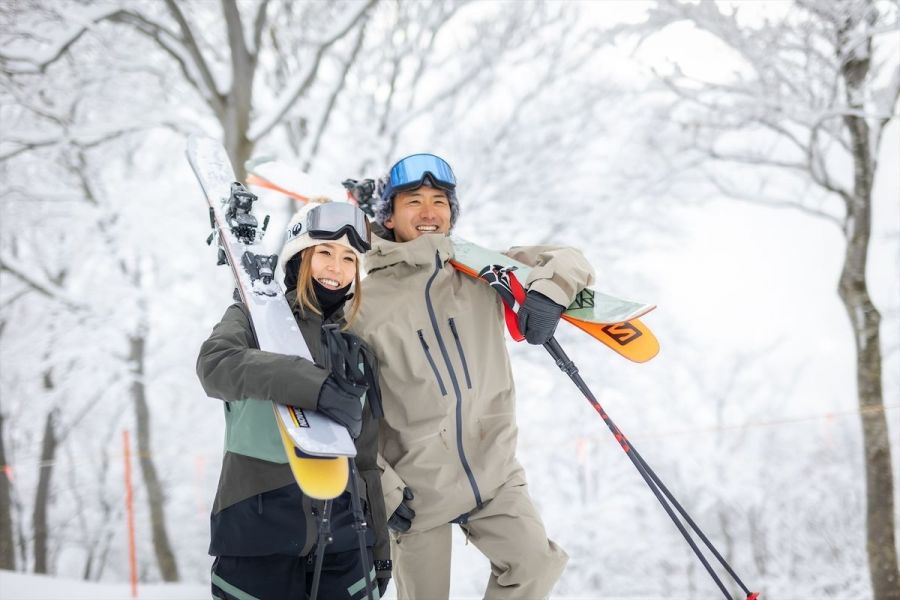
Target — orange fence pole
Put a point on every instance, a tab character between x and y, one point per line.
129	509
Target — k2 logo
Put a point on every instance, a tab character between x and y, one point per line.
623	333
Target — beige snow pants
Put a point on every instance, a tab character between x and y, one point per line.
525	564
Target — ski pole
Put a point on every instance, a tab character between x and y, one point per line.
359	523
511	292
662	493
345	358
323	540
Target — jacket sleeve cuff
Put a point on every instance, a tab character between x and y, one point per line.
306	396
556	272
550	289
383	568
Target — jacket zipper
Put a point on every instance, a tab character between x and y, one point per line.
462	355
437	375
453	380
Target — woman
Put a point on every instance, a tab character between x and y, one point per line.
264	529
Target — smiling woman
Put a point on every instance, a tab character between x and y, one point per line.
263	525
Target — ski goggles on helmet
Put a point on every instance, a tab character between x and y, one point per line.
332	220
410	172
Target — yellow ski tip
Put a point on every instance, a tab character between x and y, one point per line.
319	478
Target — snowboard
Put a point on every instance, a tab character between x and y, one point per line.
611	320
315	446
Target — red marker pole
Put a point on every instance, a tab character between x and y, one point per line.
129	510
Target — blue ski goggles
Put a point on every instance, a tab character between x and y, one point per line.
410	172
332	220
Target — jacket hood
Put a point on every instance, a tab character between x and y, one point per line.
418	252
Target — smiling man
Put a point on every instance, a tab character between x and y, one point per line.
447	442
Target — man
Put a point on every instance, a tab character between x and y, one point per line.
448	437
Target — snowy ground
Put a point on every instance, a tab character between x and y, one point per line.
24	586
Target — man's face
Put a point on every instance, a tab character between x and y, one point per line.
421	211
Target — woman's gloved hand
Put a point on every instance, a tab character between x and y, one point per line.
341	401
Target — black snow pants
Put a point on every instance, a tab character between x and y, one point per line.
279	577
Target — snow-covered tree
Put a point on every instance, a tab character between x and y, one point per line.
799	124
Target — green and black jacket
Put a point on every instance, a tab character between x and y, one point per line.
259	509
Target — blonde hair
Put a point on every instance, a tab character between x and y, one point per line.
306	293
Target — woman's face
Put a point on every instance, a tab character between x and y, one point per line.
333	265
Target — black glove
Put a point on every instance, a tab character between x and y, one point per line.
342	401
402	518
538	317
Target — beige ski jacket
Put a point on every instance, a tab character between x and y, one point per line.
449	428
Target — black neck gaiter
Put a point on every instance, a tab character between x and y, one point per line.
330	300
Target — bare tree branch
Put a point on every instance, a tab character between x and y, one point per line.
769	202
332	99
45	289
42	62
158	35
242	62
286	101
214	94
259	23
94	139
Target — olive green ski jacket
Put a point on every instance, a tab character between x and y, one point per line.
449	427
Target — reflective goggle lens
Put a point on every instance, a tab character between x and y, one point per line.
409	172
332	220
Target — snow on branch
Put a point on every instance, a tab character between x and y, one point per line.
302	82
259	22
210	90
333	97
40	61
89	137
44	288
738	193
886	99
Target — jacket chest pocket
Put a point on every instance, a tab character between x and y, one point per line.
428	356
459	348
